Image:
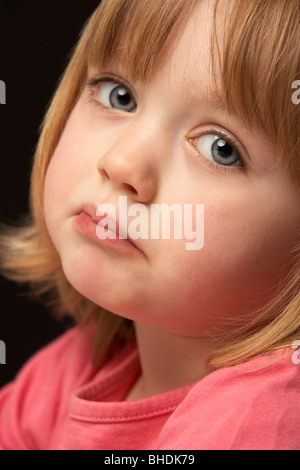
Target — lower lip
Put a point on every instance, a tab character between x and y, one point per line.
87	227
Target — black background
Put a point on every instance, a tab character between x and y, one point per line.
36	37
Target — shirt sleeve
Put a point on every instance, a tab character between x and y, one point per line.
33	408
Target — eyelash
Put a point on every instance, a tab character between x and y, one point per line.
92	83
215	166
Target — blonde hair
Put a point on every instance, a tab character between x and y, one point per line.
258	65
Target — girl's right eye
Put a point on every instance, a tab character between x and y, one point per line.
112	94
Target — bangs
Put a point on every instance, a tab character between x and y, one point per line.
134	33
256	60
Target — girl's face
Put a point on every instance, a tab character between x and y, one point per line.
170	142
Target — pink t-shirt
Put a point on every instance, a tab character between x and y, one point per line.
59	402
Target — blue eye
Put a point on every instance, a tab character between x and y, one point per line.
117	96
218	149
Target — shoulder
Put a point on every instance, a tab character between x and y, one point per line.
41	391
255	405
69	356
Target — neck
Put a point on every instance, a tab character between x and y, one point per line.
168	361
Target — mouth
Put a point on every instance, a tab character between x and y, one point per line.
105	230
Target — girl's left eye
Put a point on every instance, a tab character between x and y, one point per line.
218	149
117	96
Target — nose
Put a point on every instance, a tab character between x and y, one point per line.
132	162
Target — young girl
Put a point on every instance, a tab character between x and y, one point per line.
164	103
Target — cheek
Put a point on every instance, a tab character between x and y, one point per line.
55	184
69	166
247	253
52	196
58	190
246	248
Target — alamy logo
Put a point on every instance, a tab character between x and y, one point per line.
2	353
187	222
296	94
2	92
296	354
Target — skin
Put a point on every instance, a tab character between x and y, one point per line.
179	300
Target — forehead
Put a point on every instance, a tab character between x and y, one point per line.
193	43
188	60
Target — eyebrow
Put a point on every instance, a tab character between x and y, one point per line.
214	100
197	94
211	98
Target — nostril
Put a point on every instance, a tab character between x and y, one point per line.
103	173
131	189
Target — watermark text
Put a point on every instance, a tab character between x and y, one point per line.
2	352
2	92
296	94
296	354
160	221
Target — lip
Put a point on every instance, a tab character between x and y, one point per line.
86	222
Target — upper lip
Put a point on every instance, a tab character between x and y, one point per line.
90	209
